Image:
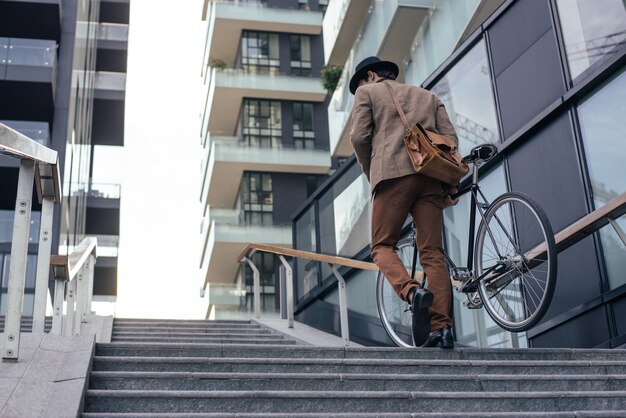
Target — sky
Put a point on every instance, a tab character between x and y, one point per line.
159	166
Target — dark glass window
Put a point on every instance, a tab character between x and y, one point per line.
591	30
602	125
323	5
258	205
301	55
260	52
303	131
261	123
466	92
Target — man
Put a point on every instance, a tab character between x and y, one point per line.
377	137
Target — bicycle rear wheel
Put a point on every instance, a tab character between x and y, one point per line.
395	313
516	253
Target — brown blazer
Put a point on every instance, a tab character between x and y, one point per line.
377	131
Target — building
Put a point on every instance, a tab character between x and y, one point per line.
544	80
265	137
62	83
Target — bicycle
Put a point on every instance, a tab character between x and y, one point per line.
511	265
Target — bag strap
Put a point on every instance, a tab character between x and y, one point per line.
395	102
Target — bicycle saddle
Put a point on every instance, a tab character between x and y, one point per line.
481	153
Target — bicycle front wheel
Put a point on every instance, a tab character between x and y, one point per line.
515	257
395	313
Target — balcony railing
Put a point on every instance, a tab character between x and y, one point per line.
105	190
28	52
37	131
116	32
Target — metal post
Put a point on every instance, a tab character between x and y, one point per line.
19	254
80	297
69	309
343	306
618	230
43	265
256	287
92	271
289	283
57	304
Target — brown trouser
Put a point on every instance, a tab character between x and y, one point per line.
421	197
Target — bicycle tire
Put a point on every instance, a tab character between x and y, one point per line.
394	312
518	291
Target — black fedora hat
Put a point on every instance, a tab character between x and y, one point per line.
370	64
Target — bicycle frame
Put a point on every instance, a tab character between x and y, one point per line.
474	189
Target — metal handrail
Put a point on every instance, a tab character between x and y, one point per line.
76	270
568	236
39	166
333	261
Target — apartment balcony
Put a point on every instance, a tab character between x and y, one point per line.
110	85
227	89
112	47
342	23
27	78
224	237
31	19
226	20
229	158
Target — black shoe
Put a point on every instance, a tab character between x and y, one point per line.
442	338
422	299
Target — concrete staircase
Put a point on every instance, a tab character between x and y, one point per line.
226	369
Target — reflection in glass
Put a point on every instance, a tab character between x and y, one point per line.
591	30
474	327
352	218
305	239
465	90
438	36
602	125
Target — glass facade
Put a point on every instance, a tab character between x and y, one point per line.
28	52
260	52
303	129
257	199
592	30
262	123
601	118
466	92
300	55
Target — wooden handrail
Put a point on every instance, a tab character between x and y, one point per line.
307	255
583	227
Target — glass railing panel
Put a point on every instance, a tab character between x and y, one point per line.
113	32
4	50
31	52
108	245
106	80
37	131
105	190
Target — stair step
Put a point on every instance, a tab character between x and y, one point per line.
384	366
573	414
351	382
304	351
238	340
149	321
208	330
257	335
368	401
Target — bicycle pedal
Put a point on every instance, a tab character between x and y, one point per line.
461	274
473	302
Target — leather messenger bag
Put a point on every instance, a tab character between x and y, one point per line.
432	155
